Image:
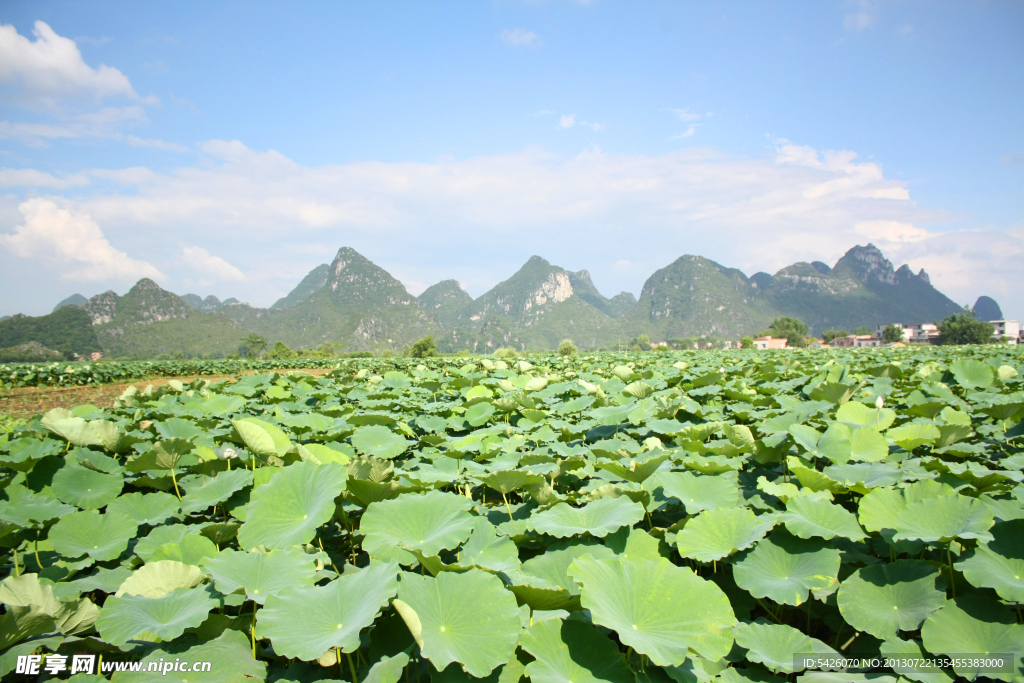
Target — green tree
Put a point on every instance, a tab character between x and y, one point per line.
747	343
831	334
643	341
567	348
423	348
792	330
964	328
892	334
281	352
253	345
862	330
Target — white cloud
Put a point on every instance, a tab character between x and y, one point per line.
685	134
685	114
50	69
1013	159
213	268
569	121
27	177
519	38
863	17
590	211
72	244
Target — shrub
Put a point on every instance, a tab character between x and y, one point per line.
567	348
747	343
792	330
506	352
424	348
964	328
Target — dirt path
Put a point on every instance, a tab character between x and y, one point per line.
27	401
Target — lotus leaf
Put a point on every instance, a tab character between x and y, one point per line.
697	492
101	537
598	518
229	654
944	518
973	624
157	579
261	574
378	441
572	652
428	523
808	518
885	598
467	618
999	563
775	645
307	622
288	510
786	569
146	508
85	488
133	616
215	490
656	608
718	533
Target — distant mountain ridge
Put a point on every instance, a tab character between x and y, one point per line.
359	304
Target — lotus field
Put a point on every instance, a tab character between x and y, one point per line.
655	518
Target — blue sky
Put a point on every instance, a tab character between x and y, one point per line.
228	148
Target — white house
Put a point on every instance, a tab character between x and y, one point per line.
1006	329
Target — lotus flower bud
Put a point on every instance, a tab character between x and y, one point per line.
879	402
226	453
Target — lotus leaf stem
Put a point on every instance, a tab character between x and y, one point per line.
252	631
352	666
38	561
174	479
952	577
17	572
505	498
770	613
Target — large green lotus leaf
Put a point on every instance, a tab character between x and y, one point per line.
915	665
972	624
487	550
808	518
378	441
553	564
74	430
106	580
229	654
867	445
24	508
972	374
262	438
149	544
507	481
101	537
880	506
943	519
387	669
157	579
146	508
128	617
215	490
882	599
307	622
261	574
697	492
657	608
864	476
999	563
428	523
85	488
113	438
785	568
323	454
287	510
599	518
20	623
632	469
190	550
27	591
715	534
478	413
467	618
572	652
775	644
913	434
857	415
